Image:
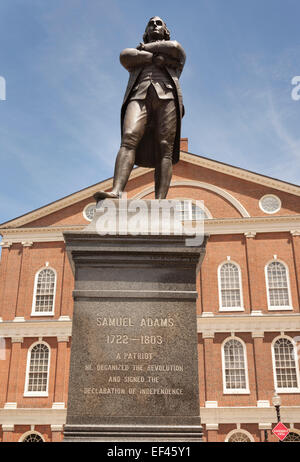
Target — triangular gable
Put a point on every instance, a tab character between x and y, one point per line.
138	172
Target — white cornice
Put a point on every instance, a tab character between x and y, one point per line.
40	328
207	326
246	415
272	322
209	415
33	416
240	173
248	226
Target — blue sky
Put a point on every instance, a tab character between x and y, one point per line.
60	122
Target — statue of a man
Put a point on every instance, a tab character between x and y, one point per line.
152	109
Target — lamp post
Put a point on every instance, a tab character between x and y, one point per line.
276	400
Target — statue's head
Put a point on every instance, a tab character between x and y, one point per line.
156	30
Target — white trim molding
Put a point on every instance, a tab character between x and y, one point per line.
211	404
265	426
263	403
58	405
10	405
35	328
36	393
31	432
214	226
248	414
43	313
8	427
278	389
57	428
271	183
269	322
33	416
273	196
212	426
239	430
232	308
85	209
279	307
234	391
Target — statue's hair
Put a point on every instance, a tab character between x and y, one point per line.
167	32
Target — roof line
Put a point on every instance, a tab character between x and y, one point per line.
140	171
241	168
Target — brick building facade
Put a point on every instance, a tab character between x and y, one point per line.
248	305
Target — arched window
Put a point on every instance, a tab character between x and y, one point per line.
277	283
32	437
235	375
286	374
37	372
239	436
44	292
292	437
230	287
190	211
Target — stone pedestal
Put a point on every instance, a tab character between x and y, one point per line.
134	365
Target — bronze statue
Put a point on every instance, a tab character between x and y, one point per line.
152	109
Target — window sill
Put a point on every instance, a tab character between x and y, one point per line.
287	390
34	394
42	314
280	308
238	308
236	392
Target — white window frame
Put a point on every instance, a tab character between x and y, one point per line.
43	313
234	308
193	202
235	391
237	430
36	393
288	307
31	432
84	211
266	211
285	390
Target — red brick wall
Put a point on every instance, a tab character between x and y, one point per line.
19	266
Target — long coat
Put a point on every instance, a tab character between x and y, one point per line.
147	151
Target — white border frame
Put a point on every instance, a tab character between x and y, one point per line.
269	195
237	430
43	313
36	393
84	211
285	390
234	308
235	391
281	307
193	201
31	432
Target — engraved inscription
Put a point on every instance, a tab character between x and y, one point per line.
134	372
